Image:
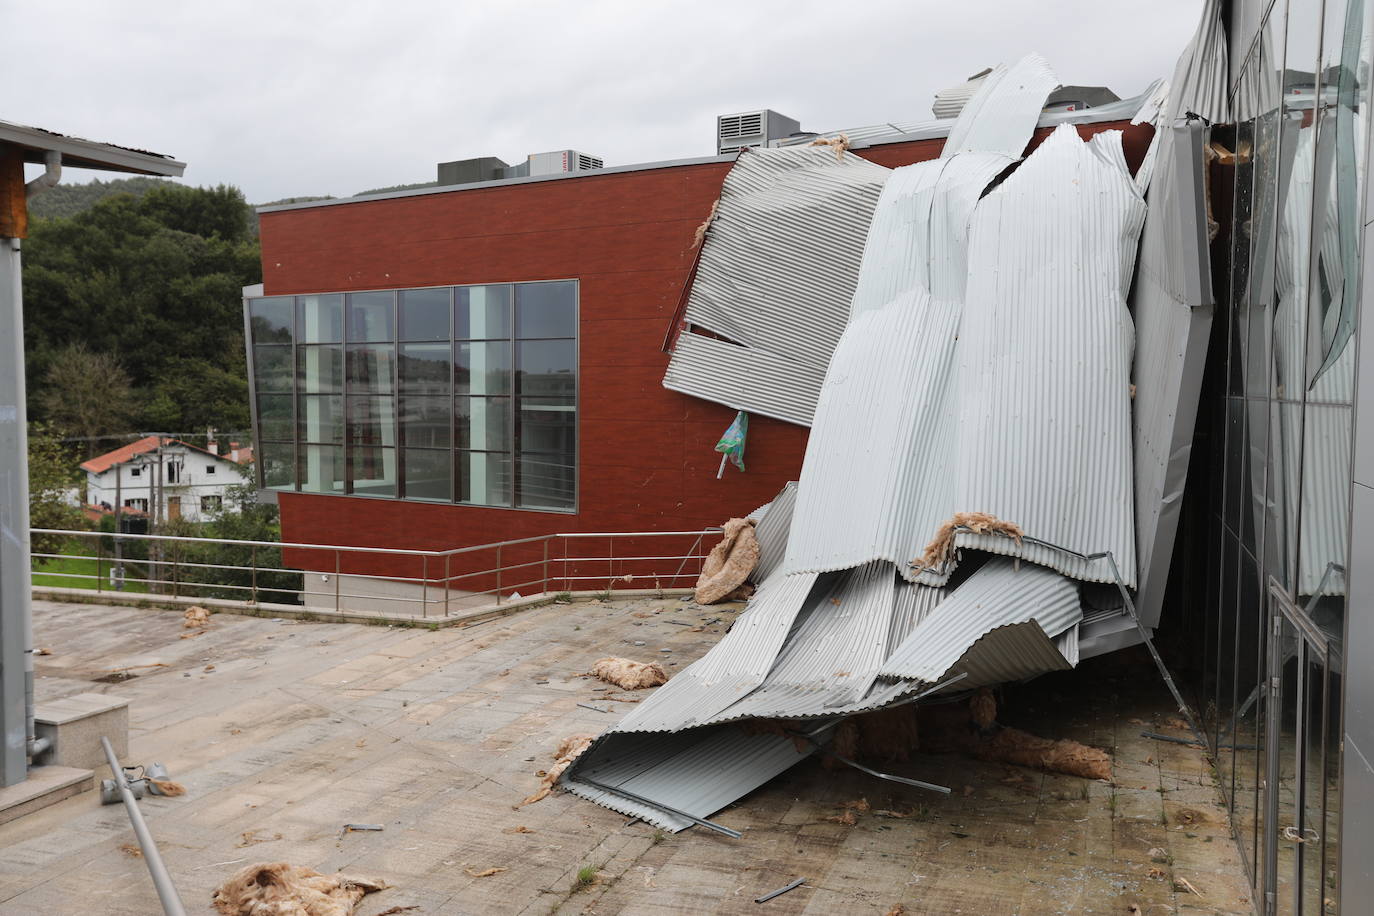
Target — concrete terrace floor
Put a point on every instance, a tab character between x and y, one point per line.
299	728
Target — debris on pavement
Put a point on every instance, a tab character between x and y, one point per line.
196	618
628	674
780	891
486	872
282	888
568	751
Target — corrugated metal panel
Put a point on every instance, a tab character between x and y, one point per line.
1172	306
997	597
901	444
745	378
733	667
926	129
1004	111
699	772
914	604
772	532
1200	77
776	276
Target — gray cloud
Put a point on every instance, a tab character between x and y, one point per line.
290	98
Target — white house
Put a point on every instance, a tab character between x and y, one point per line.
165	478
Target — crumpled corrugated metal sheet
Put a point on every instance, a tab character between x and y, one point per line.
980	421
775	278
997	626
772	531
1201	76
1003	113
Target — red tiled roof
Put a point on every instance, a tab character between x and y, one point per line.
101	463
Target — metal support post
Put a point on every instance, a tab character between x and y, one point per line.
16	622
162	880
253	562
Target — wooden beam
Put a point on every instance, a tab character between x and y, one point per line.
14	207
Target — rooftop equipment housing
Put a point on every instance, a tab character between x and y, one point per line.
744	129
490	168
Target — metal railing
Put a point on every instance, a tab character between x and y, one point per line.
371	580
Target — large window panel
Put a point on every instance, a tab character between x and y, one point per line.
371	420
370	316
484	478
425	369
546	309
275	417
320	369
321	419
425	314
270	320
429	474
370	369
482	367
481	312
320	318
483	423
426	422
278	464
546	368
272	369
322	469
373	470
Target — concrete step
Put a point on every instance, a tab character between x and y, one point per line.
45	786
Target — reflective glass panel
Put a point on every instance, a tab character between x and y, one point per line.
429	474
546	309
425	314
272	370
373	470
370	316
320	318
483	423
321	418
426	369
425	422
275	416
320	369
547	481
546	368
371	421
270	320
278	464
370	370
481	312
484	478
322	469
482	368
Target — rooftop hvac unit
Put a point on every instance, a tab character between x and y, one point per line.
744	129
560	161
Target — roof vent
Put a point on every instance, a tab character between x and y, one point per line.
744	129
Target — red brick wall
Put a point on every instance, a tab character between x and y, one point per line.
645	453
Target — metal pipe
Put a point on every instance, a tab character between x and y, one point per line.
52	174
166	891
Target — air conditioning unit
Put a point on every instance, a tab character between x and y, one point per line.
744	129
560	161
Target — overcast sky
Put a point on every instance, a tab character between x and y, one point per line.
296	97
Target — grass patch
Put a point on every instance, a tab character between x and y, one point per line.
73	570
586	877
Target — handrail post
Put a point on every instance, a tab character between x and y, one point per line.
98	552
567	579
448	582
498	573
176	571
424	586
546	565
253	562
610	564
337	609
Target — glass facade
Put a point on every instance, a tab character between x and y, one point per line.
1287	272
463	394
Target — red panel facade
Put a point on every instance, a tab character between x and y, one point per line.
646	459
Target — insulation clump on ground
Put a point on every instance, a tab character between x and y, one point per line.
729	564
628	674
568	750
196	618
283	889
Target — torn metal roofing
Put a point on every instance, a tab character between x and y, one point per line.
776	274
1200	81
1002	115
772	531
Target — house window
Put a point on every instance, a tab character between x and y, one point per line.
135	472
173	472
138	503
461	394
209	469
211	503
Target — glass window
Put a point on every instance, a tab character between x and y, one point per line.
429	474
320	318
482	368
321	418
546	309
425	314
481	312
278	464
322	469
211	503
483	423
370	369
371	421
271	319
272	369
373	470
546	368
425	422
275	416
425	368
369	316
484	478
546	482
319	370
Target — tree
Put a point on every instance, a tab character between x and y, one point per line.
52	474
87	395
